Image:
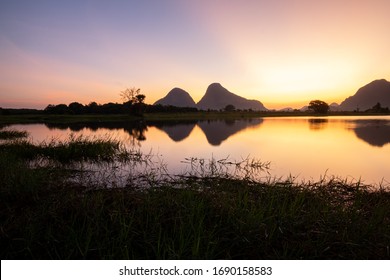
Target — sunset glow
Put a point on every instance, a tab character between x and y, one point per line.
283	53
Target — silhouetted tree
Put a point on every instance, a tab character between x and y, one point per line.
377	108
230	108
57	109
134	100
76	108
318	106
92	108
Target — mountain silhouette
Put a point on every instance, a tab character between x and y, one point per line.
217	97
177	97
367	96
334	107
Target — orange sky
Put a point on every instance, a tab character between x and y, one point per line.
283	53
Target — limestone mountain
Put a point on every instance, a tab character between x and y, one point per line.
367	96
177	97
217	97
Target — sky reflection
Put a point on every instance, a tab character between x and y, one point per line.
306	148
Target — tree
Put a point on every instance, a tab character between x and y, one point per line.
377	108
319	107
76	108
134	100
230	108
131	95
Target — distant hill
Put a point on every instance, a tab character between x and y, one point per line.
217	97
367	96
334	107
177	97
304	108
287	109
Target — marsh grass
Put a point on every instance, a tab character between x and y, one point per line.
12	134
73	149
206	214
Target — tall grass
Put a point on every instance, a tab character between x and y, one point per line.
73	149
44	215
12	134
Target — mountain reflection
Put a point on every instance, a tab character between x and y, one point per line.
218	131
176	131
374	132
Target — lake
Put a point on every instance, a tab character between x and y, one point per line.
305	148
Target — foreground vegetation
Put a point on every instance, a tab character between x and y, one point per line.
44	214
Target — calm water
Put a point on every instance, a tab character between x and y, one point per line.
303	147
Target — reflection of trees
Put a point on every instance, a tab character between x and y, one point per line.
374	132
136	130
216	131
317	124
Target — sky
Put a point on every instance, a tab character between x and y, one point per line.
283	53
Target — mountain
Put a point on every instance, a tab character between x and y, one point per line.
177	97
334	107
217	97
369	95
304	108
287	109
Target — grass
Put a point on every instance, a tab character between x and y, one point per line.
12	134
74	149
44	215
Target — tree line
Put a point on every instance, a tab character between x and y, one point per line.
133	104
136	109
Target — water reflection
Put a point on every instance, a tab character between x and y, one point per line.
374	132
136	130
317	124
351	147
218	131
177	131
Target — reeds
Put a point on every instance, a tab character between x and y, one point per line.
12	134
74	149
